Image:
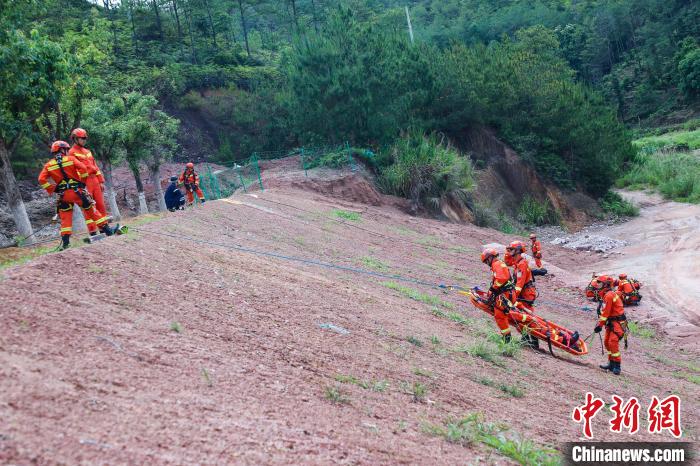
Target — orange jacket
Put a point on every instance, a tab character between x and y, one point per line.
626	287
613	307
523	276
189	177
73	168
501	274
85	156
536	249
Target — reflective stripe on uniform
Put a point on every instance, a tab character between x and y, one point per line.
614	298
66	230
506	330
45	185
56	167
88	222
84	175
603	319
615	355
518	289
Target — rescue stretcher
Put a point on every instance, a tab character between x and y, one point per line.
532	324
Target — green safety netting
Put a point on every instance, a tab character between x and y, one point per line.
218	183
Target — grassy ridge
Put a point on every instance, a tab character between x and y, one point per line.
668	163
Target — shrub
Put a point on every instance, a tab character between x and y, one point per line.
534	213
616	205
427	171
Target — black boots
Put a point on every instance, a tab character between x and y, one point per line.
108	230
65	241
506	338
531	341
612	366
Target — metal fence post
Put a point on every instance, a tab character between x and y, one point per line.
257	167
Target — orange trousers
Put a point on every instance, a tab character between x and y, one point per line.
538	262
499	307
190	194
95	190
65	212
613	334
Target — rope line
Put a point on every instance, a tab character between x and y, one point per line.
292	258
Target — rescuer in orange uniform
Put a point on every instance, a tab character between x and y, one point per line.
502	292
95	180
615	322
629	290
191	181
524	282
536	250
69	175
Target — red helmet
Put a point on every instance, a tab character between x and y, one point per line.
189	165
605	282
517	247
623	276
488	253
533	236
59	146
78	133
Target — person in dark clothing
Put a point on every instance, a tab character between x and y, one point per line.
174	199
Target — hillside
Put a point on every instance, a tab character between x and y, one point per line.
189	348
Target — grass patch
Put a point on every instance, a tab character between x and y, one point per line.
683	140
417	295
207	377
24	256
374	264
512	390
335	396
535	213
414	341
616	205
435	340
473	429
676	175
422	372
639	330
689	377
485	351
345	215
418	390
510	349
374	385
176	327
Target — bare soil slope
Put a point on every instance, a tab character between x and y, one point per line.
161	347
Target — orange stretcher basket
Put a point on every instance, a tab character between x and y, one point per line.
525	321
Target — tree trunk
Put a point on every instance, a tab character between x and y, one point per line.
158	23
160	196
79	225
133	26
179	28
14	197
245	28
211	23
110	191
188	20
294	13
143	207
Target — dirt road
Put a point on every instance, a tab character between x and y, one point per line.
664	253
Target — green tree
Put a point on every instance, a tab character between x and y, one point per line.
32	69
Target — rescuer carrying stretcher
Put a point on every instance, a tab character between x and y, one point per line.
501	294
69	175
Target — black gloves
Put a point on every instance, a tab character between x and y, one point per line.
597	329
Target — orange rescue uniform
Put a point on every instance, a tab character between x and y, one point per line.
524	284
537	253
191	181
502	287
612	318
70	192
95	178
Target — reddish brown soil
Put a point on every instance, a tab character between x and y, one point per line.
91	371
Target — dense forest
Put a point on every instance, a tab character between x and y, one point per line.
561	81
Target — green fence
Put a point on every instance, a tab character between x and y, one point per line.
242	175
